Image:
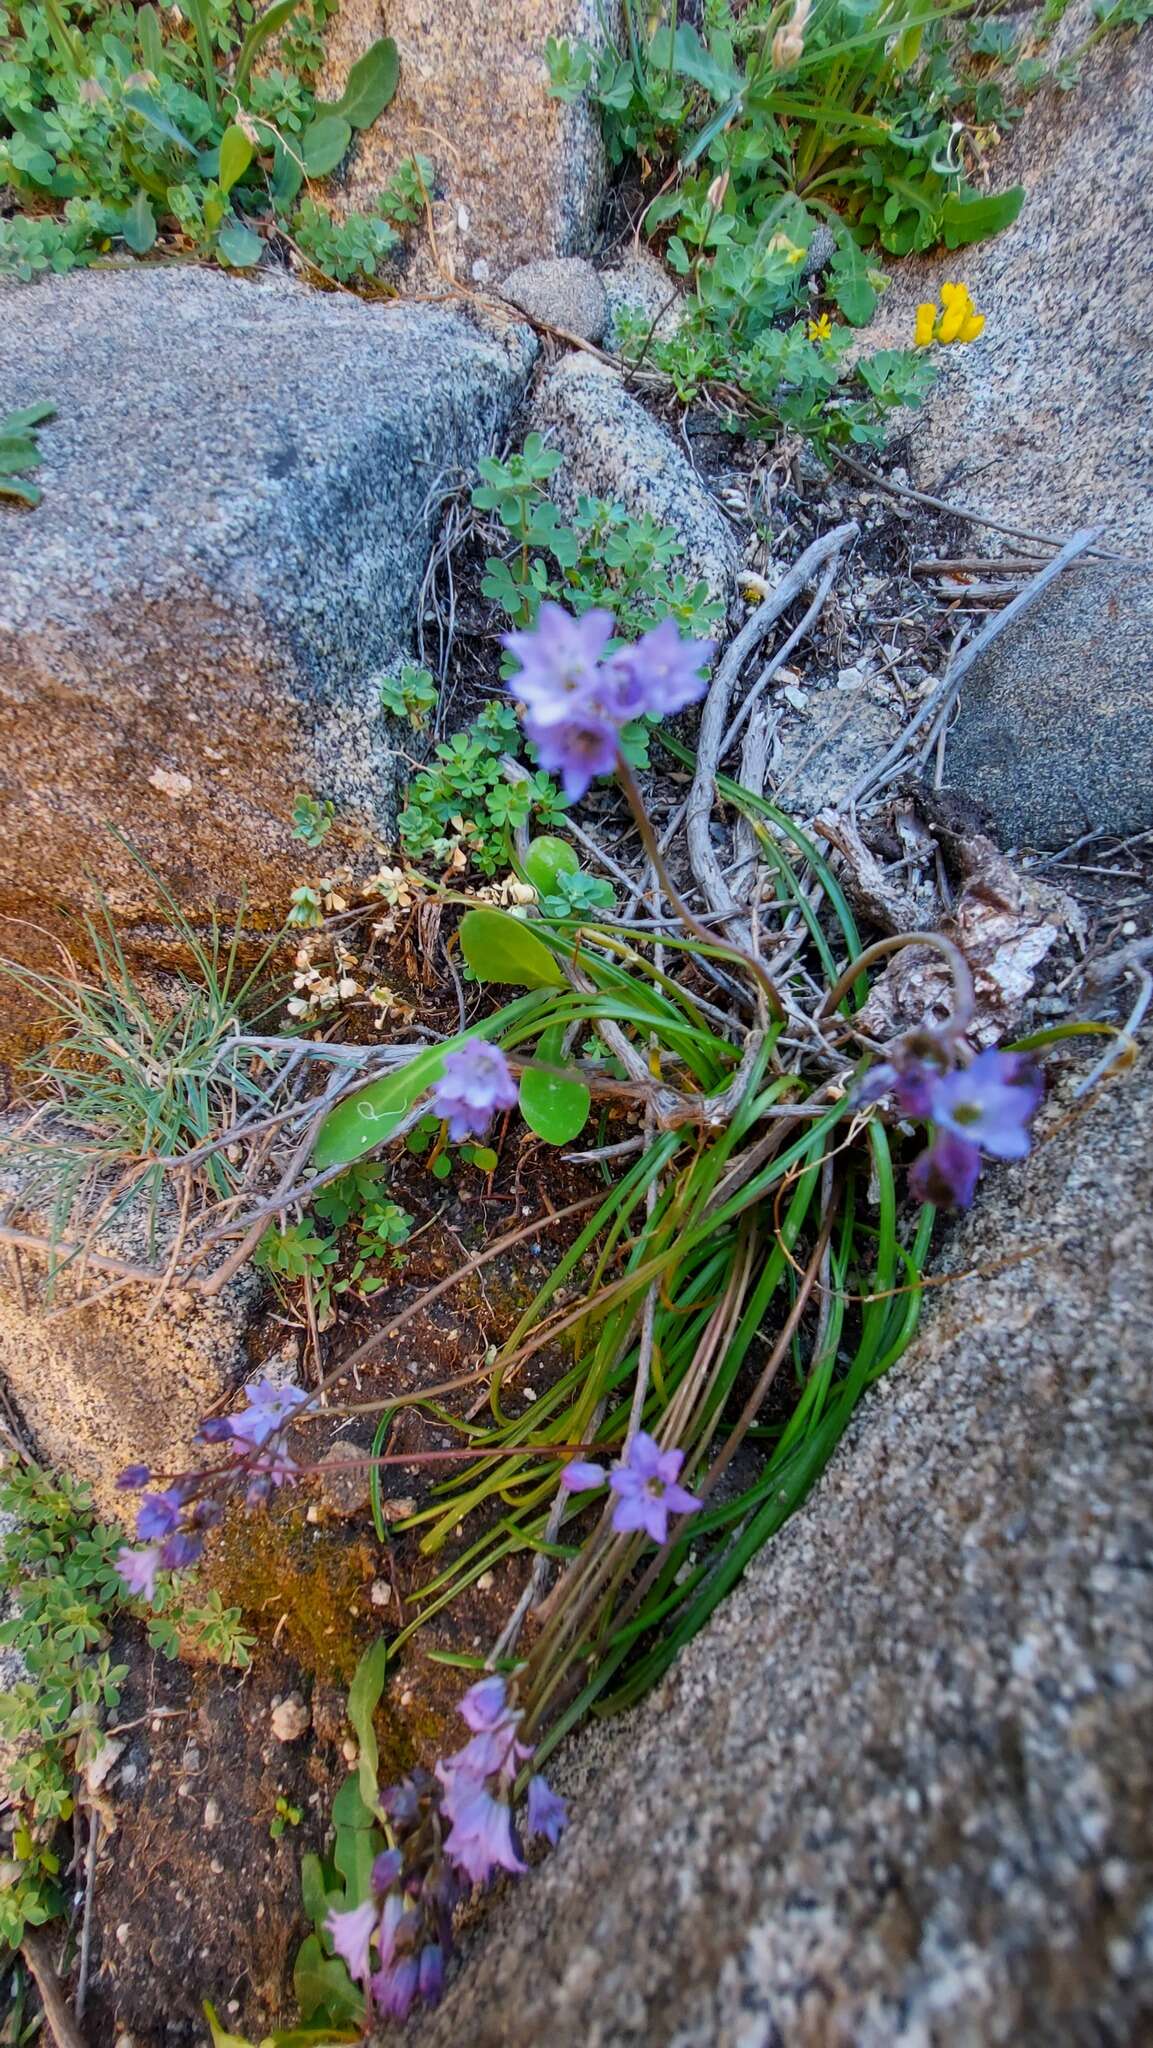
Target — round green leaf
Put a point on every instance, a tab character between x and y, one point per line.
324	143
239	246
501	948
553	1105
548	857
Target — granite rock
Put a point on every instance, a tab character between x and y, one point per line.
519	175
899	1793
614	448
1054	735
1047	420
560	291
239	493
103	1379
641	287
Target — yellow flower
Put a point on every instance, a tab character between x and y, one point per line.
956	319
926	322
821	328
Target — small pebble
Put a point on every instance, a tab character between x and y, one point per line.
290	1719
212	1813
123	1932
381	1593
349	1751
216	1867
486	1582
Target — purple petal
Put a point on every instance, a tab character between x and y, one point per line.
547	1811
394	1988
946	1175
679	1501
138	1569
580	1475
577	749
385	1871
132	1477
485	1705
351	1934
644	1456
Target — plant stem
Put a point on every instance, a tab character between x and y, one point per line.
711	944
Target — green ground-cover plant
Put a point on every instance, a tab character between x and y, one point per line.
772	126
19	452
128	128
63	1593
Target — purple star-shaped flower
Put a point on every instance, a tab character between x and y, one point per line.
664	671
138	1569
394	1989
547	1811
269	1408
180	1550
647	1491
158	1514
351	1934
911	1087
481	1838
475	1084
577	748
558	660
946	1175
990	1102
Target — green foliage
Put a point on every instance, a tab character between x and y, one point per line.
312	821
467	802
20	452
299	1253
132	127
58	1578
605	558
761	141
285	1816
412	694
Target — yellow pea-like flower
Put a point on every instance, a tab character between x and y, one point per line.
821	328
926	322
972	327
952	321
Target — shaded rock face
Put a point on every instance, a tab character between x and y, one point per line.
614	448
239	492
899	1793
520	175
1055	729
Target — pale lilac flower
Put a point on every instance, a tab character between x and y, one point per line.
269	1408
485	1704
664	671
578	748
580	1475
481	1838
138	1569
990	1102
911	1087
647	1490
558	660
394	1988
351	1934
547	1811
158	1514
180	1550
946	1174
475	1084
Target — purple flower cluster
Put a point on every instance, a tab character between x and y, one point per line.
577	697
170	1524
982	1110
475	1084
645	1483
407	1919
